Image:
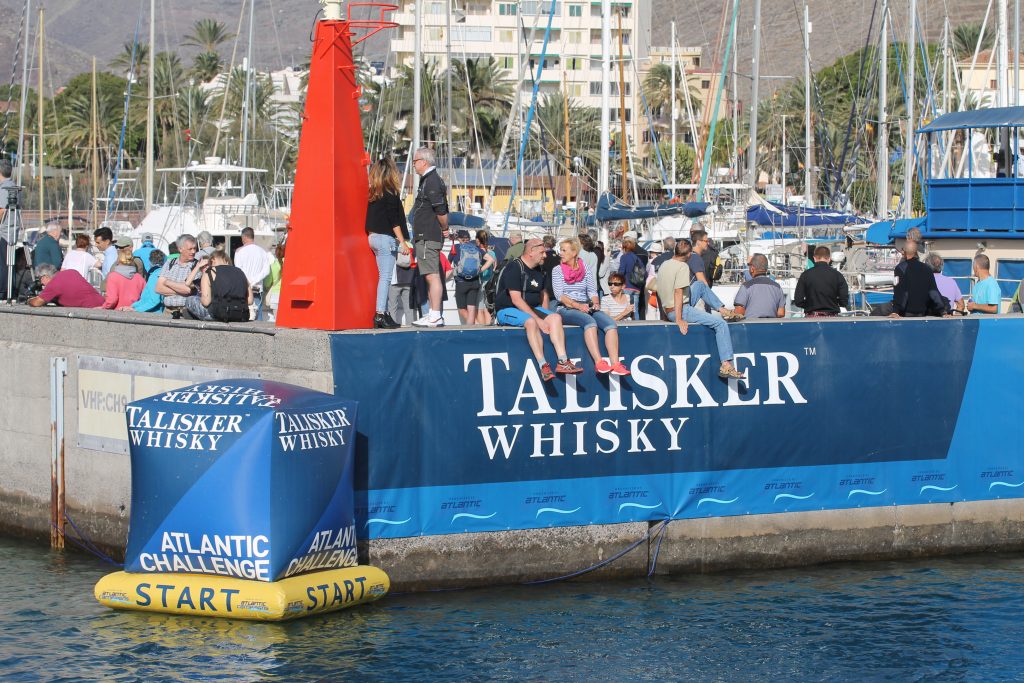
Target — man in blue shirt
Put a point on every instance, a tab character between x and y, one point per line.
104	240
986	295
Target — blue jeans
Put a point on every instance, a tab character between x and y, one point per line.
634	300
603	321
719	326
385	248
257	302
701	292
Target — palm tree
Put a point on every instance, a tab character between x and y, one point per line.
206	66
123	61
482	95
657	88
208	35
965	39
584	131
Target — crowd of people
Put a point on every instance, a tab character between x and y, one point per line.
197	279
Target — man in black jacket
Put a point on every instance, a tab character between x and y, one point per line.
915	294
821	291
430	223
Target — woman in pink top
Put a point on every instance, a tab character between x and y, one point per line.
124	284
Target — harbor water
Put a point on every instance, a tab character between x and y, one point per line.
933	619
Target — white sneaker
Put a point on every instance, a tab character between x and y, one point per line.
427	322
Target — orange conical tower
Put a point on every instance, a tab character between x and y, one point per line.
330	276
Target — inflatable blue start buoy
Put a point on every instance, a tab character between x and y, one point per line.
242	504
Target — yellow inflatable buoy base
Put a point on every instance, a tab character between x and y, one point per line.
221	596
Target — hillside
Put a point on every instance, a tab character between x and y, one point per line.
75	32
838	28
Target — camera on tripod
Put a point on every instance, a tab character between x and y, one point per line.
13	197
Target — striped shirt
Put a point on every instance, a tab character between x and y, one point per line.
177	272
583	291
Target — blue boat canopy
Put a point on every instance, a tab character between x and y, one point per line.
1000	117
779	216
609	208
883	232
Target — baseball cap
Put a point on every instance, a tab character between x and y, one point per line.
122	242
630	235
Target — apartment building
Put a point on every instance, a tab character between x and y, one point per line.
513	33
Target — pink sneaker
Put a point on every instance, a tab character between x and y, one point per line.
620	369
603	367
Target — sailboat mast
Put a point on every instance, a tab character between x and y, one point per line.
417	87
606	100
808	131
150	110
623	142
246	96
675	66
448	93
1002	59
94	141
908	154
882	147
755	81
568	153
24	92
39	117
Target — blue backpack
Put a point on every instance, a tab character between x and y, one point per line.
468	267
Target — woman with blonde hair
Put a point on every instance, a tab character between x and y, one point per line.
124	283
387	233
575	288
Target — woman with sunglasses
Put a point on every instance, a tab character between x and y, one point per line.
616	303
576	293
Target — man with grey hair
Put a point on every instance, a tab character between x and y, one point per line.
64	288
177	281
204	241
948	287
430	225
515	246
47	249
760	296
986	295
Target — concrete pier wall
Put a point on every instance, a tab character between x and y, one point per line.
98	482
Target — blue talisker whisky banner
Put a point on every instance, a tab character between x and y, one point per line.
242	478
459	433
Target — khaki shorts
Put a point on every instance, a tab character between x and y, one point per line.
428	257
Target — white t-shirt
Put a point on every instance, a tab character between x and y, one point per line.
79	260
254	262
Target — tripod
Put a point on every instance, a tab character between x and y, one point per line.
10	228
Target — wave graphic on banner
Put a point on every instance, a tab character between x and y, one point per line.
471	516
557	511
716	500
866	492
793	496
931	487
1003	483
387	521
638	505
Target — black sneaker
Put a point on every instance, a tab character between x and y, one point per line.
390	322
379	323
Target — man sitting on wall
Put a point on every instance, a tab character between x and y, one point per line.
915	294
522	301
948	287
177	281
760	296
64	288
821	291
986	295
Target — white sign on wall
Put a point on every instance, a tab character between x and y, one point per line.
107	385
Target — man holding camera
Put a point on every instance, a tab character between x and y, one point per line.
64	288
